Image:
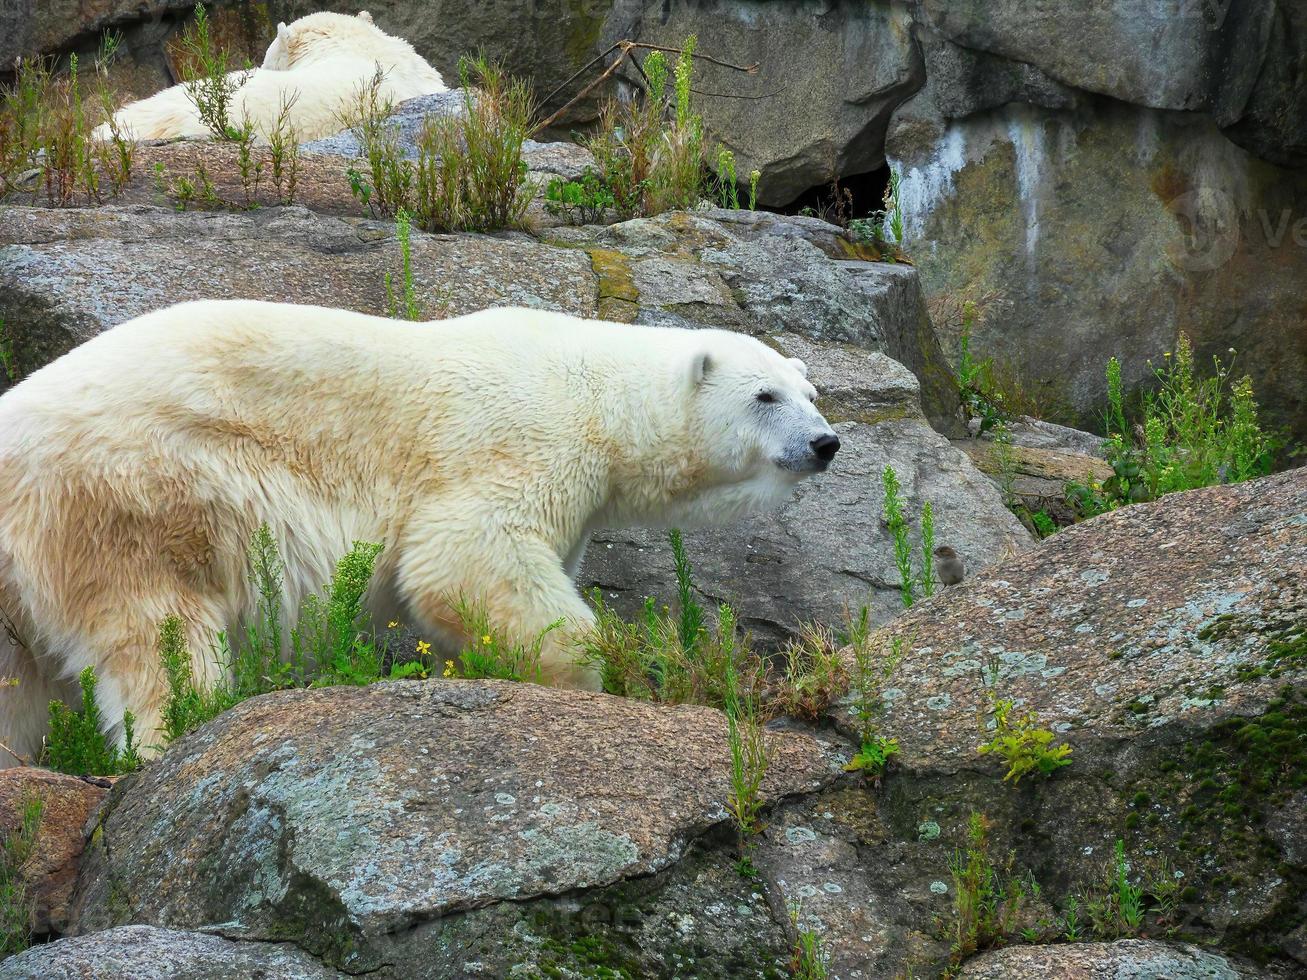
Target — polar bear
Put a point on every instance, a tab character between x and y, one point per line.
481	451
317	66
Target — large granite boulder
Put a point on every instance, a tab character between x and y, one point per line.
1106	229
1166	643
150	953
67	803
1140	959
399	824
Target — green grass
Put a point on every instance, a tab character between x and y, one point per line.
649	151
469	174
911	583
988	899
8	361
77	743
1191	431
15	902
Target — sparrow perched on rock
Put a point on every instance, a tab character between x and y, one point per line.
949	566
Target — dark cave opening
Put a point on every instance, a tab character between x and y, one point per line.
843	198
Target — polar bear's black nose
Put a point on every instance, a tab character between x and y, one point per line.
826	447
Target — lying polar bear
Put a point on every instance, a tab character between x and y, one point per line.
316	66
481	451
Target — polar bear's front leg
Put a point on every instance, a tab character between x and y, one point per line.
523	587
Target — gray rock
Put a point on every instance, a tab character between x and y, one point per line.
405	121
1106	230
827	551
1126	959
149	953
70	274
829	77
342	819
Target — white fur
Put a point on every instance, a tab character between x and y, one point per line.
317	65
482	451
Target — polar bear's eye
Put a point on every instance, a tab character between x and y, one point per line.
766	397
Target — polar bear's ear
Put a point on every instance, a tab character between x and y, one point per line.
798	365
283	32
365	17
699	367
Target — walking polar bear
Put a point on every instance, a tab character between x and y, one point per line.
317	66
481	451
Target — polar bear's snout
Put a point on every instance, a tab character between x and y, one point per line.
824	447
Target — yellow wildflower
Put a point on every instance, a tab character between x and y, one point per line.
424	647
449	669
391	625
485	640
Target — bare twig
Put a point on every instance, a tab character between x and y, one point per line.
22	759
625	47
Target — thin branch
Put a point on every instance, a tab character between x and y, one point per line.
626	47
24	761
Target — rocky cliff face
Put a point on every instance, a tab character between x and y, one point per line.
1117	171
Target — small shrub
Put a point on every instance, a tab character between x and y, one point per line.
584	201
649	151
1045	526
988	901
8	362
874	664
404	234
808	960
1194	432
207	78
77	744
754	177
16	904
728	190
1021	743
469	174
892	511
748	747
981	397
813	674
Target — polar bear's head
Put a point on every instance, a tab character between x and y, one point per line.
323	35
757	430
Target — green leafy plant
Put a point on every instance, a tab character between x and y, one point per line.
77	743
1192	432
209	83
988	900
1045	526
469	175
748	747
650	150
874	661
897	523
8	362
728	191
898	528
330	644
584	200
690	626
754	177
404	234
980	395
672	657
1021	743
15	902
808	959
488	654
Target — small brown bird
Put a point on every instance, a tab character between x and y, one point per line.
949	566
